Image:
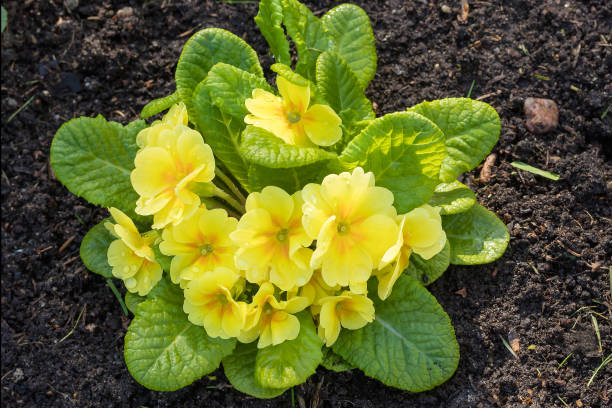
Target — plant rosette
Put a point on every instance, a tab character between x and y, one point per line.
276	230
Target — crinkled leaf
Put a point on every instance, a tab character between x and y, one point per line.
93	158
404	151
229	87
159	105
94	248
163	350
411	344
222	132
352	37
269	19
334	362
290	180
262	147
239	369
339	86
471	129
427	271
4	18
452	198
307	33
203	50
476	236
293	361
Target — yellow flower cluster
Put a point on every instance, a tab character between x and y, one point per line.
247	278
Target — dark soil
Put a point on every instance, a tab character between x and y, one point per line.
95	60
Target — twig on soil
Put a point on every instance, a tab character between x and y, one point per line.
485	173
75	325
485	96
604	363
113	288
65	244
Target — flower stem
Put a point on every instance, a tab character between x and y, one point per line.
228	182
229	199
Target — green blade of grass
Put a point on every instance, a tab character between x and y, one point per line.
508	347
604	363
564	360
20	109
73	327
526	167
471	87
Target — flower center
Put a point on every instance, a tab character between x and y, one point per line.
293	117
267	309
342	228
222	299
207	249
282	235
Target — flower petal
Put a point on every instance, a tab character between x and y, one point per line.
322	125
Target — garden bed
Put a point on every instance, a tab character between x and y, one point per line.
62	328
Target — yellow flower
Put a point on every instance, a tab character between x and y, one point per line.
315	290
177	115
348	310
288	117
354	224
131	256
272	242
199	244
209	303
173	159
271	320
420	232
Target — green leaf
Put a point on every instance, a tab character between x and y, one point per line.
471	129
290	180
203	50
452	198
286	72
4	17
411	344
163	260
93	158
94	248
229	87
526	167
269	20
261	147
133	301
352	37
339	86
404	151
427	271
334	362
159	105
307	33
239	369
222	132
163	350
293	361
476	236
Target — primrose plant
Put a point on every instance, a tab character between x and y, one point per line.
276	230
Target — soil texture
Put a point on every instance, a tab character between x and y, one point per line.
79	58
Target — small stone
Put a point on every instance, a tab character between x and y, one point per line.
446	9
462	292
542	115
125	12
18	374
71	4
11	103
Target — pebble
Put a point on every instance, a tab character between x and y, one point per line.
125	12
71	4
542	115
445	9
